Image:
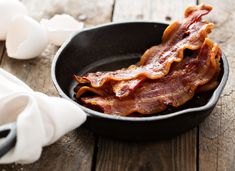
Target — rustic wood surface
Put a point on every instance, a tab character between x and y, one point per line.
73	151
217	133
207	148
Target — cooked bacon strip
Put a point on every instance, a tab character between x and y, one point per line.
174	89
170	36
156	62
209	86
81	89
212	84
85	89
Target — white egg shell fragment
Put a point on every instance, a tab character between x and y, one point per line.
9	10
26	38
60	28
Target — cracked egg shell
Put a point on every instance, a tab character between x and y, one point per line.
9	10
26	38
60	28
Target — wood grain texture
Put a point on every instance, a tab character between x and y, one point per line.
73	151
217	133
35	72
156	10
178	153
93	12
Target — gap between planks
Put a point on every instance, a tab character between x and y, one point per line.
2	50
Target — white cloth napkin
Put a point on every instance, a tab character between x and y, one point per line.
40	119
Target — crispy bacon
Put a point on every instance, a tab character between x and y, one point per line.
165	76
175	89
156	61
213	83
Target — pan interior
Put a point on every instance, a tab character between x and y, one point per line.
106	64
123	61
114	46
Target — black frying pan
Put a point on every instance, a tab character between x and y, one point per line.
8	134
118	45
110	47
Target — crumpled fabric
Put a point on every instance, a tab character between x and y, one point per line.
40	119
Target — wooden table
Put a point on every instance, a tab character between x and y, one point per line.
210	146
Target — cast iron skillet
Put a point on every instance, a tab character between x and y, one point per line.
8	132
118	45
110	47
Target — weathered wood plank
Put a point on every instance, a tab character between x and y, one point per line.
216	135
35	72
178	153
74	151
156	10
93	12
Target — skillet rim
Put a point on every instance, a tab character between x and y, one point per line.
92	113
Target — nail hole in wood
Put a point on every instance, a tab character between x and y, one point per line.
168	18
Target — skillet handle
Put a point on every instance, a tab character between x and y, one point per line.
7	137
